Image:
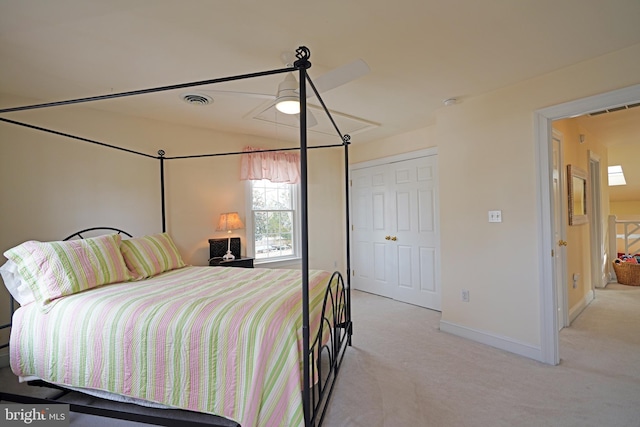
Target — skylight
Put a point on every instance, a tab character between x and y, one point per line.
616	176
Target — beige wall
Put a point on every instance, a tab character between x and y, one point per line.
487	161
405	143
199	190
52	186
628	210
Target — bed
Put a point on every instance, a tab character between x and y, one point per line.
270	357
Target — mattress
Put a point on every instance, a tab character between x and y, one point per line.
224	341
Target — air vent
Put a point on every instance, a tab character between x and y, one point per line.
614	109
196	98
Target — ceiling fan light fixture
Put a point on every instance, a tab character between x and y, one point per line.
288	104
287	101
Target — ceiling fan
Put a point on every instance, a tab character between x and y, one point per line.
286	98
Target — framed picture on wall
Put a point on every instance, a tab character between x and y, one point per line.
577	184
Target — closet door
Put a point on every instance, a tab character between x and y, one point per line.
374	268
395	242
413	188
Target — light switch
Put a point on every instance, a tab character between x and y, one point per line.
495	216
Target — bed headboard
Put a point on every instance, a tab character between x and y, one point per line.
93	230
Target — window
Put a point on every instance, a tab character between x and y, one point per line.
274	226
616	176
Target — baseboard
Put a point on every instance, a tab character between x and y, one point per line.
503	343
575	311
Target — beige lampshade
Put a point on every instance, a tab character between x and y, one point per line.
229	221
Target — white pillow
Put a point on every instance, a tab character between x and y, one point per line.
18	289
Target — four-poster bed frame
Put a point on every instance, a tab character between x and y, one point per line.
315	395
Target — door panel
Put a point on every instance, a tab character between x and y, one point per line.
428	270
403	176
405	267
378	211
426	208
403	211
380	261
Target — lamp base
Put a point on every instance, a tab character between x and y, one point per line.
228	256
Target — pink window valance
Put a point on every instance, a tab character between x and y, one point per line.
276	166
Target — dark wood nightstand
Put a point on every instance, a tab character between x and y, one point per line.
238	262
218	247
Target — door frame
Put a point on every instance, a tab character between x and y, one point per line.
395	158
595	223
560	265
549	343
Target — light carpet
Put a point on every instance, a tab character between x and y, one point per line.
402	371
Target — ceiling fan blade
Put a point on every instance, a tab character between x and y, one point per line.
311	119
238	93
262	108
339	76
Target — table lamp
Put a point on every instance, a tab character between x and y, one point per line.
229	221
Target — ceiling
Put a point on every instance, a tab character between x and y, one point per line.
419	52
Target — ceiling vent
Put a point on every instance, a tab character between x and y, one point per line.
614	109
196	99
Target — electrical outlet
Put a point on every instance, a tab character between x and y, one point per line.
465	295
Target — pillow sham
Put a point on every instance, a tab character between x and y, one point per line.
150	255
18	289
56	269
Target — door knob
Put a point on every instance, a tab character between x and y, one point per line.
394	238
562	242
387	238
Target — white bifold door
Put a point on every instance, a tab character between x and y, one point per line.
395	235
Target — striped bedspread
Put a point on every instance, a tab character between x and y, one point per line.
224	341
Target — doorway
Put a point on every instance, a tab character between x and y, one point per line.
549	345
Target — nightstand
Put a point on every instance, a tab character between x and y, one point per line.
218	247
238	262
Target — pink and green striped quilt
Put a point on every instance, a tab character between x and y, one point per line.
225	341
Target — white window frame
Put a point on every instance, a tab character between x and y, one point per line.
250	235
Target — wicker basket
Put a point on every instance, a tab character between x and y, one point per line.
627	273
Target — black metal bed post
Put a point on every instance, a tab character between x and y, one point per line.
303	54
164	213
346	139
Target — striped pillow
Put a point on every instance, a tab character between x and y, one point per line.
56	269
150	255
